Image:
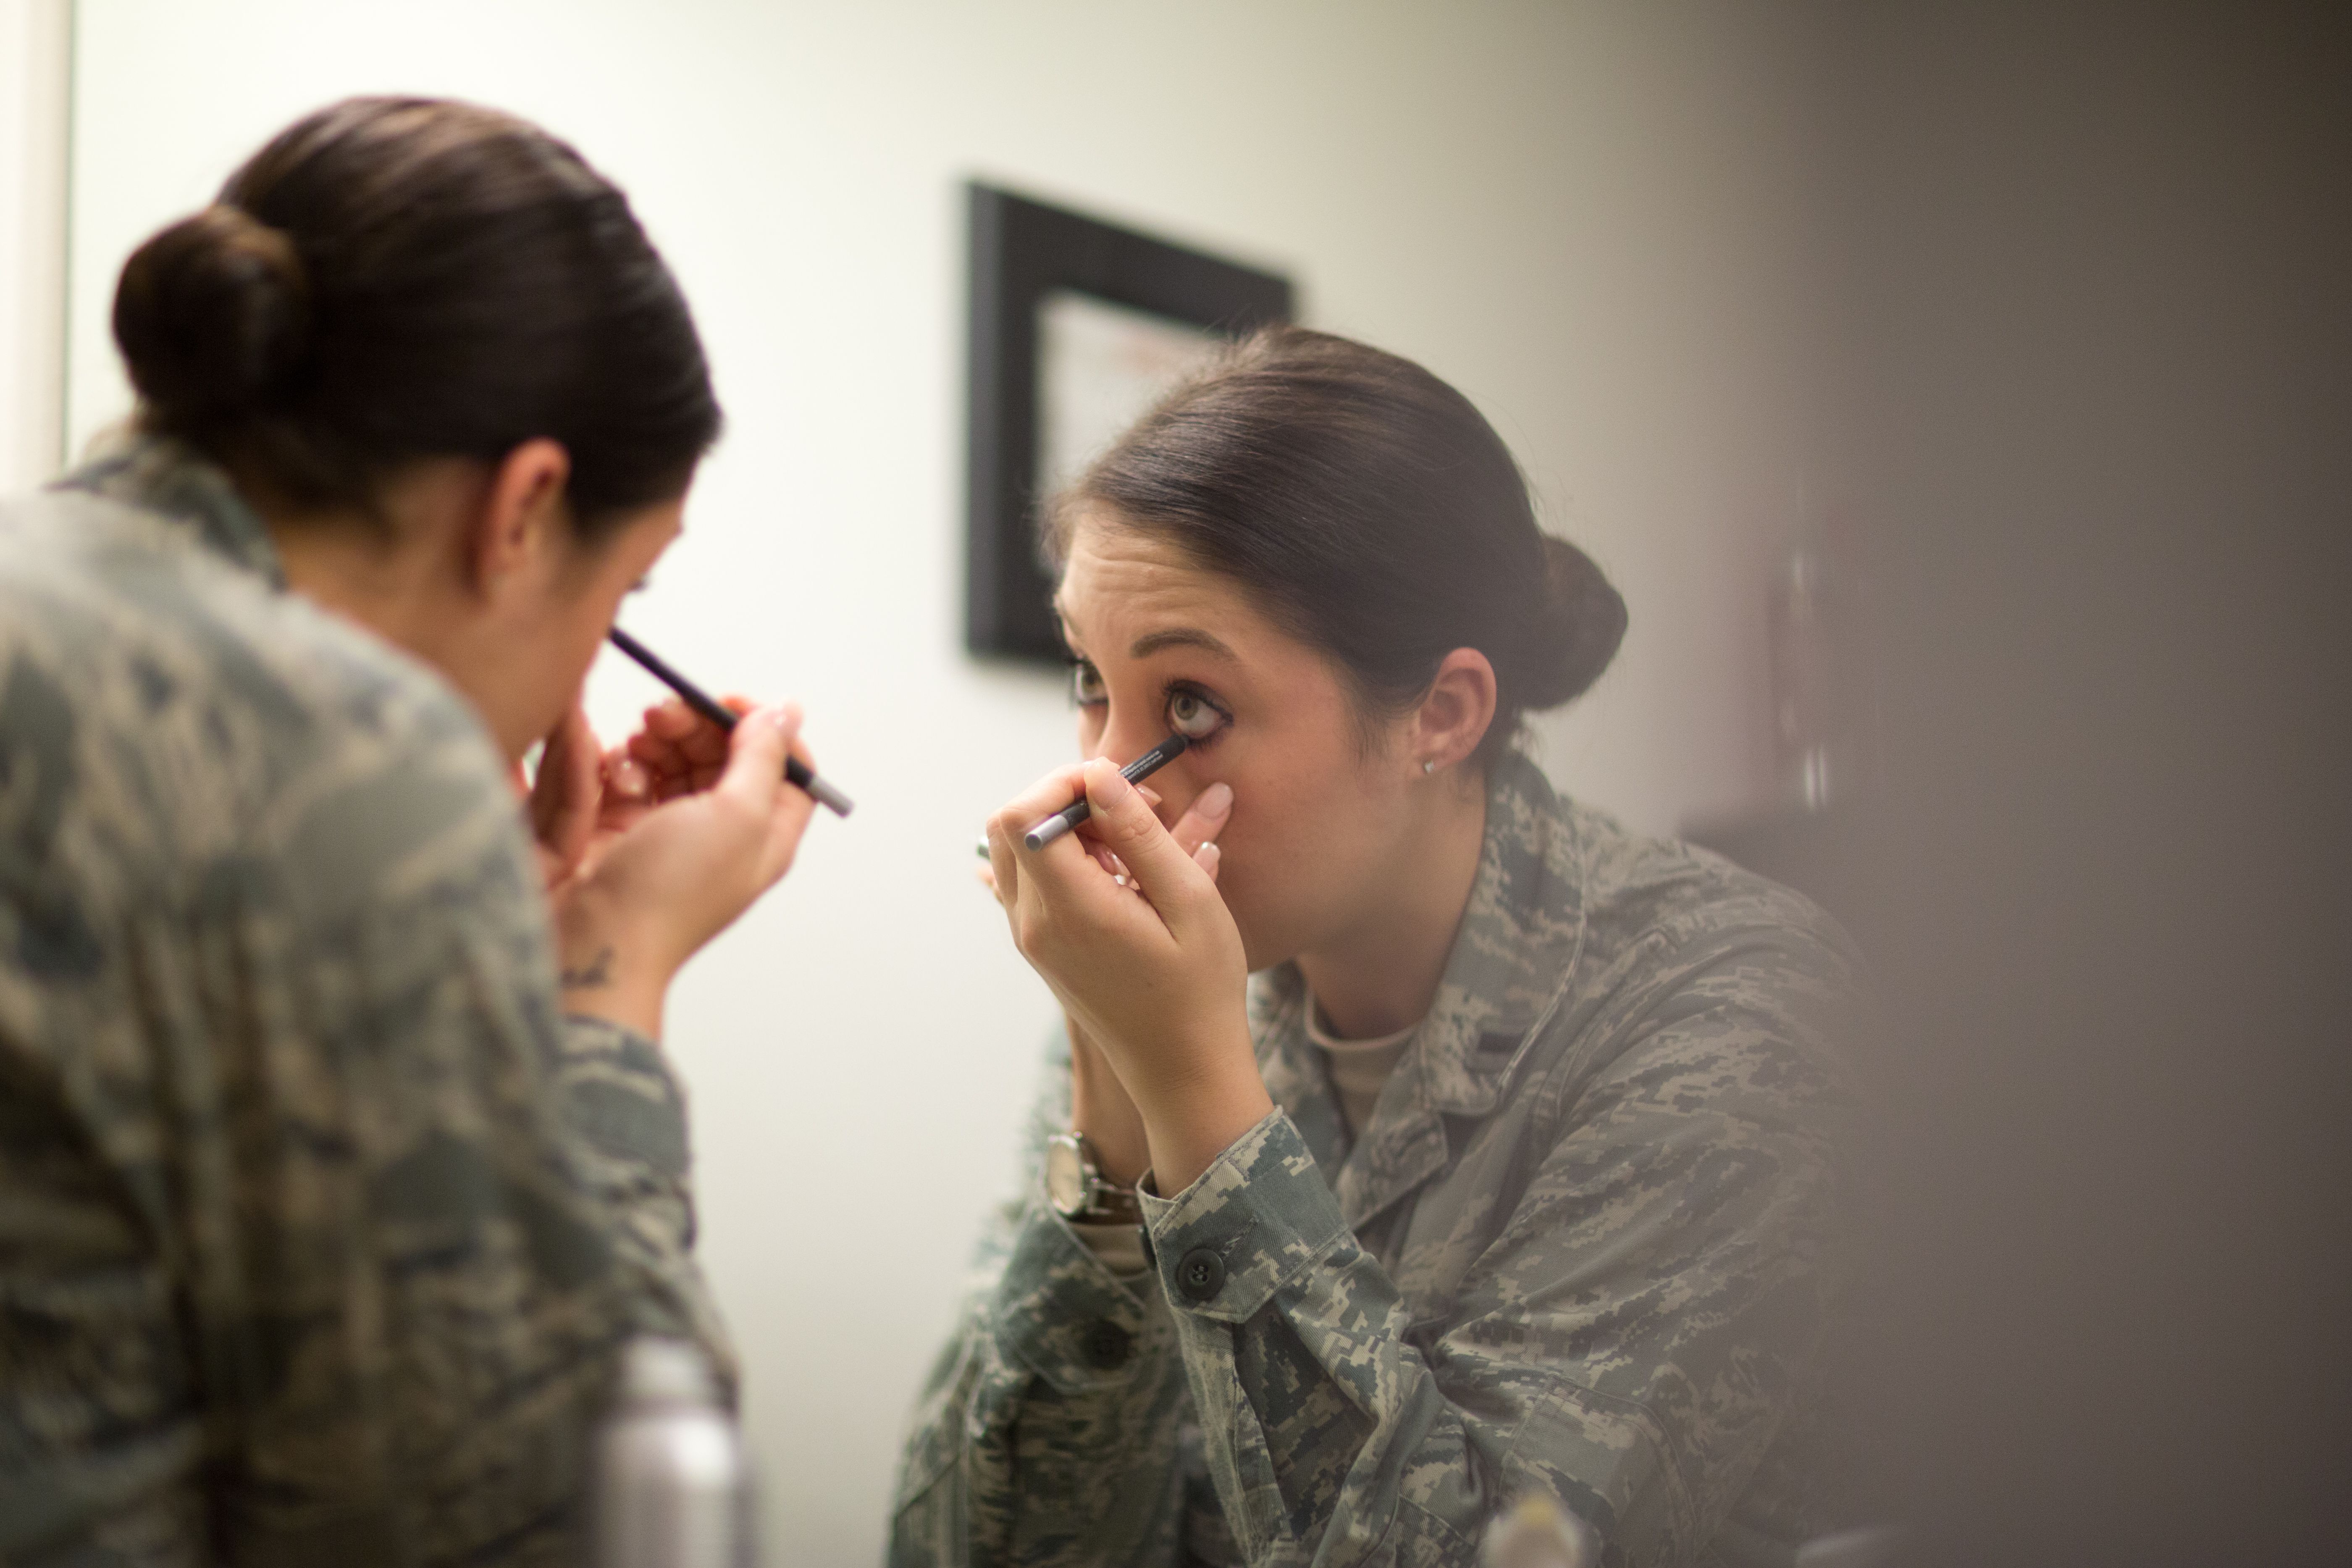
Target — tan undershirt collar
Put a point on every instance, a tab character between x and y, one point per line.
1360	1069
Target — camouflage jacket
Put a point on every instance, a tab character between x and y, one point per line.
320	1224
1586	1245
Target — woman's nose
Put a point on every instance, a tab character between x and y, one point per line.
1124	740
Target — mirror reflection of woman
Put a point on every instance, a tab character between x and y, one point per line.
338	1153
1419	1140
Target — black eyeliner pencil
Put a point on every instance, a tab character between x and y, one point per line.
795	771
1069	816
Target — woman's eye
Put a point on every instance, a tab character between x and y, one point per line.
1191	716
1085	684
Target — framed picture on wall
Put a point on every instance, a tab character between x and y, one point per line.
1077	326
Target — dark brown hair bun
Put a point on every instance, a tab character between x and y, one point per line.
213	318
1577	630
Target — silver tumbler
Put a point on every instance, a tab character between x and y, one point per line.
670	1487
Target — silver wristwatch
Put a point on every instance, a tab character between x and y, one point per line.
1077	1189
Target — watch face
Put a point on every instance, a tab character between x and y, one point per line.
1066	1176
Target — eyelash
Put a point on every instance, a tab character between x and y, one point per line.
1082	669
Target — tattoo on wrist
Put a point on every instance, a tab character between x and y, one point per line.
590	976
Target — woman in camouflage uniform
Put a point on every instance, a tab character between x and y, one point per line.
325	1201
1514	1168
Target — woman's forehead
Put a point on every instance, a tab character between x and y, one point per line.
1121	586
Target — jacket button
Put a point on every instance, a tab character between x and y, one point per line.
1107	1346
1201	1274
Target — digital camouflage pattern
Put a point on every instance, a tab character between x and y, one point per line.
1587	1245
320	1224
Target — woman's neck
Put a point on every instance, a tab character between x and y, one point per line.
1382	974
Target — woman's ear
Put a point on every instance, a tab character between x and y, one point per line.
520	515
1456	712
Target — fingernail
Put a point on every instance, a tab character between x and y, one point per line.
1217	799
628	778
1207	855
1111	787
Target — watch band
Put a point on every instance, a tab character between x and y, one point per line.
1112	1204
1074	1186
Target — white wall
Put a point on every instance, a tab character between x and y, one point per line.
35	56
1584	218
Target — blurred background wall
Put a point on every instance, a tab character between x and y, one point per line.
35	73
1588	216
2089	365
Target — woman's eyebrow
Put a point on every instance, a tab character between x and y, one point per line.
1180	636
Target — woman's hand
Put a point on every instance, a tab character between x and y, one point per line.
564	799
1099	1106
689	826
1128	929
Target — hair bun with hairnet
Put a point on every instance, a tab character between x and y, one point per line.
213	317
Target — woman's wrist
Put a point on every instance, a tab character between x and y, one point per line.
603	989
1102	1113
1188	1128
606	969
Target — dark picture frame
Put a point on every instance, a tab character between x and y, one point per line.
1024	252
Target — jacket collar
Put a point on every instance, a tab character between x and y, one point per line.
1514	955
161	474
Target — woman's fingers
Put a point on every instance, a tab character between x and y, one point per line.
668	878
793	808
1066	906
699	739
1127	825
681	751
1204	818
1127	928
659	756
1196	831
754	774
565	796
625	778
1003	872
1039	801
1016	816
629	794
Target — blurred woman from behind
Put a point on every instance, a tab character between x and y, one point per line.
337	1154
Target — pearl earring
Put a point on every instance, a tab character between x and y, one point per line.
1428	766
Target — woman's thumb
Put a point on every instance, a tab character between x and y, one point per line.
1126	822
756	752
